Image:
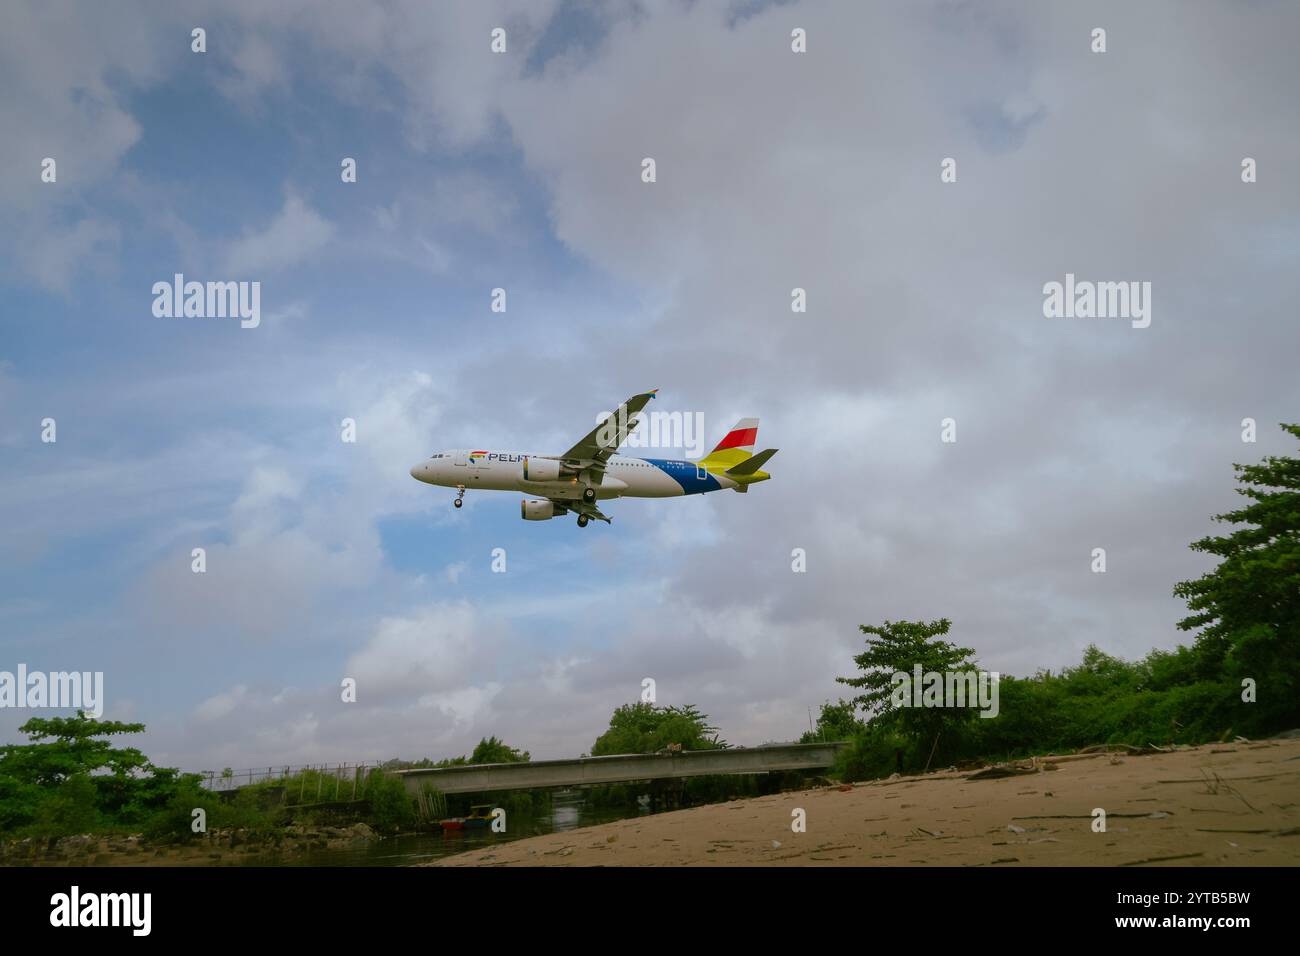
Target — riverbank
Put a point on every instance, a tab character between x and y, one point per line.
218	848
1218	804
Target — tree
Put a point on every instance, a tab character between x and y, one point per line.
899	647
74	748
838	721
1248	608
491	750
645	728
71	776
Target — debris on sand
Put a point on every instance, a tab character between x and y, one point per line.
1015	768
1163	859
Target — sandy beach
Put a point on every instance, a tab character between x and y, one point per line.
1219	804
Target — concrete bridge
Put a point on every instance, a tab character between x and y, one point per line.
622	768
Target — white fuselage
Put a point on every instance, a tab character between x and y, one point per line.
623	477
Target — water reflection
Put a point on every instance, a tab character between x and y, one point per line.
568	811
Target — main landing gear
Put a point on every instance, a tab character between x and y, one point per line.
582	521
588	495
460	494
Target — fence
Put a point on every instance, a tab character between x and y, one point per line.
313	783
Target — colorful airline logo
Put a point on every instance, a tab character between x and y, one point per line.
476	455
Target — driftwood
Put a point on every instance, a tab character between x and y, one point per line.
993	773
1163	859
1125	749
1016	768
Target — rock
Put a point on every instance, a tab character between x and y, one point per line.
362	831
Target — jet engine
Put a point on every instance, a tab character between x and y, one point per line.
541	469
536	510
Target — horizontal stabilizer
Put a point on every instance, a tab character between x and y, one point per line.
752	464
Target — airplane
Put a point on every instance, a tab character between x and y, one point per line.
590	471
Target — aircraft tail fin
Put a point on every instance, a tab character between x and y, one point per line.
736	445
742	435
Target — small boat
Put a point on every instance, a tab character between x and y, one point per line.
480	816
452	823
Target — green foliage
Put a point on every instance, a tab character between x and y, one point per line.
391	808
646	728
68	746
1247	609
902	646
838	721
70	779
491	750
873	753
174	821
18	802
69	808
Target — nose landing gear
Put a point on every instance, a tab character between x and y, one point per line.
460	494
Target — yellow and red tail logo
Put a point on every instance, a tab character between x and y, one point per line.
735	447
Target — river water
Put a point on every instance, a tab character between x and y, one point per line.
568	811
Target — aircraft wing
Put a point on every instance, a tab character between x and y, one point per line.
603	440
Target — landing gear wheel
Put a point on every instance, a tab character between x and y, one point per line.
582	521
457	502
460	493
588	495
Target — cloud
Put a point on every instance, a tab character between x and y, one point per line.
257	67
221	705
54	255
430	651
295	235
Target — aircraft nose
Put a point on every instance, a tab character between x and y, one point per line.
417	471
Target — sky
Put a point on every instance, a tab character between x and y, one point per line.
523	170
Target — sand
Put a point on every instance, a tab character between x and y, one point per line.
1160	811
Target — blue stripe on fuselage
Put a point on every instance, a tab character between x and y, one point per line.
685	474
